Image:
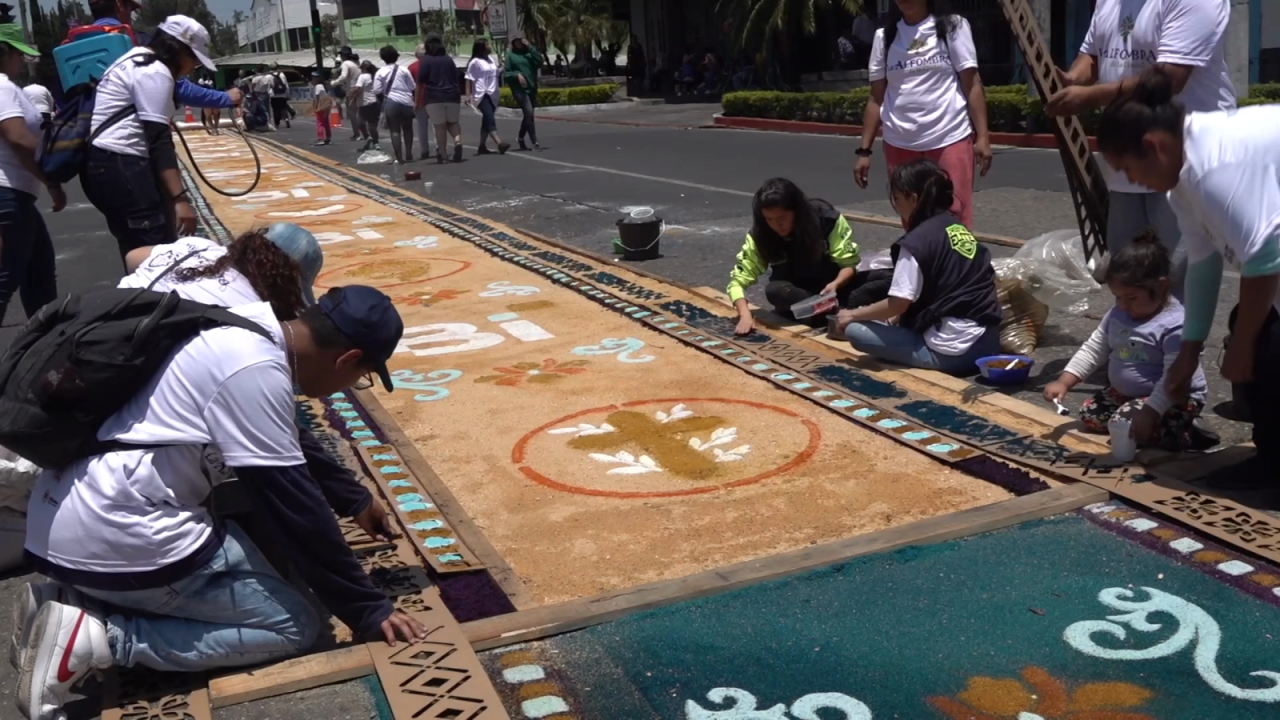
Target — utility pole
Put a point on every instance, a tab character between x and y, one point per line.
315	34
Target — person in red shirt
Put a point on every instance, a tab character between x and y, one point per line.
420	105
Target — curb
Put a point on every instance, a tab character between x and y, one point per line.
1039	141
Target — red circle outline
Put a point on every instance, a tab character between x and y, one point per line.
462	265
519	449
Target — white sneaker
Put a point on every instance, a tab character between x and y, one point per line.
64	645
25	606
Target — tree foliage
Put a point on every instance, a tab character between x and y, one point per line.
446	25
755	21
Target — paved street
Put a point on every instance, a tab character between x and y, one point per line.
701	181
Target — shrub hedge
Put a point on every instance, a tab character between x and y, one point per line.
1008	107
555	97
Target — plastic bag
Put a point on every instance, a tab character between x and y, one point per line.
373	157
17	478
879	260
1053	269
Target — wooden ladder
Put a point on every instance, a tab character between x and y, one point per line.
1088	188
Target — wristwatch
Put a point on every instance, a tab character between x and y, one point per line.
862	152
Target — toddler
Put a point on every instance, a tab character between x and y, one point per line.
321	105
1138	339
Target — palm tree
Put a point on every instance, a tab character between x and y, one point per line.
533	17
757	21
580	22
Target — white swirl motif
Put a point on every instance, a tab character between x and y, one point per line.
744	707
1194	625
428	383
502	287
623	347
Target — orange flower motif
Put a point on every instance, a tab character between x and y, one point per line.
427	298
1040	696
546	371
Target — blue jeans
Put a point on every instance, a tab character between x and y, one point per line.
907	347
527	102
488	119
26	253
234	611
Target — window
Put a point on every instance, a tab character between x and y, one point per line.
355	9
469	21
405	24
299	39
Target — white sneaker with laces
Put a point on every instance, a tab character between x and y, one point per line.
64	645
25	606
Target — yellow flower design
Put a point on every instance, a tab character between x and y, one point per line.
1040	696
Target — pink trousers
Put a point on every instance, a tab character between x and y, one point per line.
957	159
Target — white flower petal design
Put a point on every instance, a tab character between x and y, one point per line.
583	429
628	464
678	412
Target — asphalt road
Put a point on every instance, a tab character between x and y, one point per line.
700	181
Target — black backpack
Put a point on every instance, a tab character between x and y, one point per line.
81	358
278	85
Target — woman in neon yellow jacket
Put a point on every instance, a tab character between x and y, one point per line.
807	246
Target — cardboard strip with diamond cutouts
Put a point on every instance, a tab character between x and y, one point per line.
142	694
439	677
424	524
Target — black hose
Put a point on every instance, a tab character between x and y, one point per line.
257	162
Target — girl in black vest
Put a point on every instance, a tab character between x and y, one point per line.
942	302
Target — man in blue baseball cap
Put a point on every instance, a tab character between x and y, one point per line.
183	590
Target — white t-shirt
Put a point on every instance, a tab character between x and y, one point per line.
1129	36
397	89
952	336
230	290
40	97
1228	194
149	88
263	83
924	107
140	510
367	96
483	75
348	75
13	104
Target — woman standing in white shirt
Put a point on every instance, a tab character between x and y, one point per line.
927	98
395	85
131	172
482	93
370	108
1222	173
26	250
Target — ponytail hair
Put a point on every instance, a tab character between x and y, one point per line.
1148	106
931	185
1141	264
276	277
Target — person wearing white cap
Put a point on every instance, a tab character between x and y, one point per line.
131	172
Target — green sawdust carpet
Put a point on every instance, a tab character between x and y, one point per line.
1004	625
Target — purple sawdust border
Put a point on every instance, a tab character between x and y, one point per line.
469	596
1262	580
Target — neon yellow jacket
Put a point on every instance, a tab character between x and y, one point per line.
750	266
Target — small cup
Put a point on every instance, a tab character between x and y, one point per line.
1123	447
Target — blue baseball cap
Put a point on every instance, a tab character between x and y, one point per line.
301	245
369	320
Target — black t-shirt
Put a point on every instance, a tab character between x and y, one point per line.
959	281
439	77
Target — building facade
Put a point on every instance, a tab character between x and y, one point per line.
285	25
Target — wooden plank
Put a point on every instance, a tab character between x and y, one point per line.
576	614
463	525
292	675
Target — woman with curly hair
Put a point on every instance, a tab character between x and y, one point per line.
278	265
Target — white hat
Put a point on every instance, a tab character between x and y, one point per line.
192	34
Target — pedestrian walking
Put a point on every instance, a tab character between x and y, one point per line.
423	120
370	107
281	110
1219	170
927	98
263	85
1187	39
521	75
438	77
395	87
348	74
322	104
482	94
131	173
27	263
